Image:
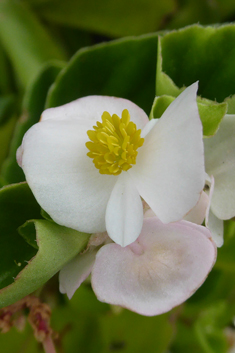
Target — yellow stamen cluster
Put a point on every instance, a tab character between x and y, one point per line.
114	143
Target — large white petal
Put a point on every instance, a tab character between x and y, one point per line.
220	162
75	272
63	178
92	108
160	270
124	214
169	170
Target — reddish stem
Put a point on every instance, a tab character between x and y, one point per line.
48	345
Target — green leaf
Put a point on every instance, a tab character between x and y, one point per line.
57	245
231	104
25	40
17	204
164	84
113	18
33	106
123	68
197	53
211	113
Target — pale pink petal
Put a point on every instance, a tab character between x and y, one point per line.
159	271
198	213
92	108
124	213
169	170
75	272
220	162
63	178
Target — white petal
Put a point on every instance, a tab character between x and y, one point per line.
63	178
169	171
160	270
148	127
75	272
220	161
124	214
92	108
198	213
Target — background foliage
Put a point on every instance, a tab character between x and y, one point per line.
54	51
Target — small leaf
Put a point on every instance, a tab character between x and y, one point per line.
211	113
17	204
231	104
57	245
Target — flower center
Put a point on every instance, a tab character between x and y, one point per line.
114	143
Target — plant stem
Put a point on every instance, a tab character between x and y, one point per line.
48	345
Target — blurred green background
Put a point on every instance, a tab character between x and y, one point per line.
38	38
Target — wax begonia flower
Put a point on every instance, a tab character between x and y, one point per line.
160	270
90	161
220	167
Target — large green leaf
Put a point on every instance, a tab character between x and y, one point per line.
33	106
211	113
113	18
25	40
17	204
57	245
123	68
197	53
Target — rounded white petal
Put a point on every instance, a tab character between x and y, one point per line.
75	272
169	171
220	162
92	108
63	178
160	270
124	213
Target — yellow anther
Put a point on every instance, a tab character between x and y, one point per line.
113	143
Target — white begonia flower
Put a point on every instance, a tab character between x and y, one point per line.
220	164
64	158
160	270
